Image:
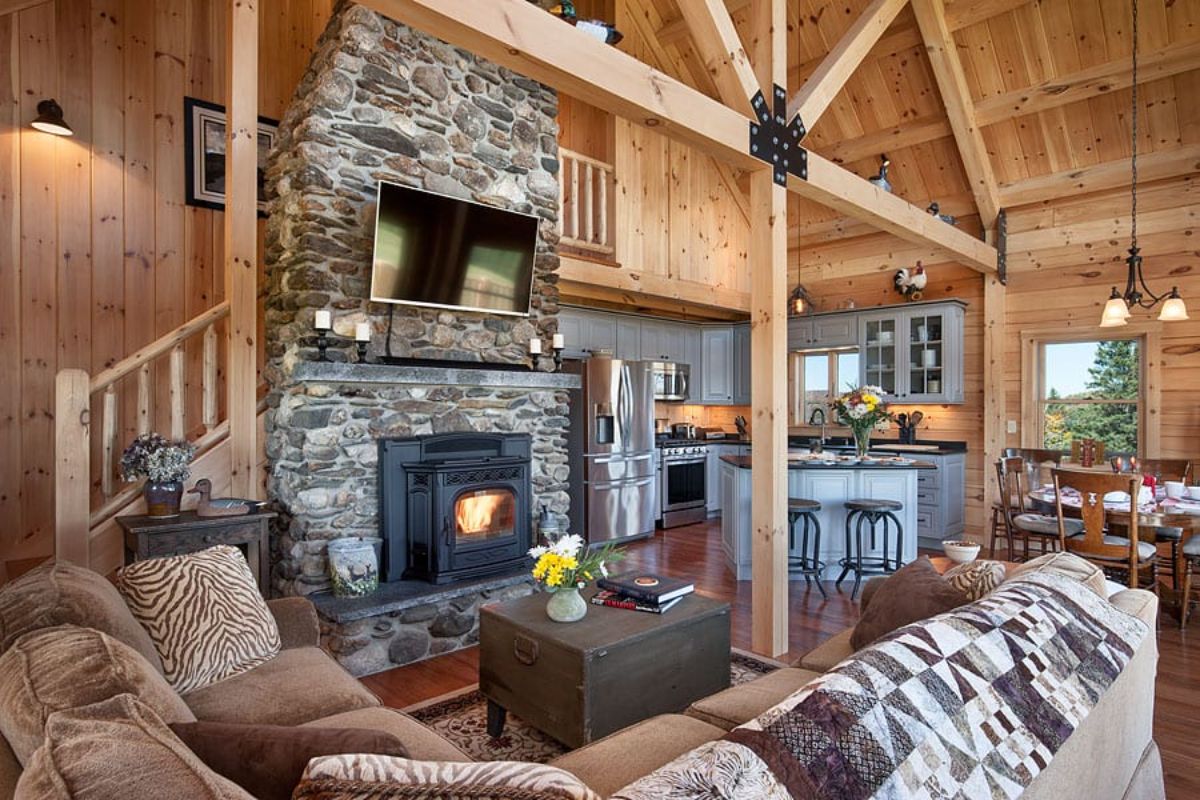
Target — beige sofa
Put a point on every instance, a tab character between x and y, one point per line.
1111	755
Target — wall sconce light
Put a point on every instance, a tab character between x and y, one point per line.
50	119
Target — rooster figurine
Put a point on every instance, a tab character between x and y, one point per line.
911	283
597	29
936	211
881	180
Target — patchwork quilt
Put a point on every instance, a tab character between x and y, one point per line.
972	703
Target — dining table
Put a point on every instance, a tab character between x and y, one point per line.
1154	510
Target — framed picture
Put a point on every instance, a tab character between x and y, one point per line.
204	146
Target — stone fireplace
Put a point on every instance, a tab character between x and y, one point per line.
381	102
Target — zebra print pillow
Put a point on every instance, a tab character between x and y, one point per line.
976	579
204	614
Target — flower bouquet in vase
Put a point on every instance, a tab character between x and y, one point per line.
862	410
165	465
563	566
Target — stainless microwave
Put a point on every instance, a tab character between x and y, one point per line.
671	381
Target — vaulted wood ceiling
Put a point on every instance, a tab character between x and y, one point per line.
1049	81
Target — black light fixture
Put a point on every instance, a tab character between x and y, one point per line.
1137	293
799	302
50	119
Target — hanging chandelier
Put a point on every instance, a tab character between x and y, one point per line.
1137	293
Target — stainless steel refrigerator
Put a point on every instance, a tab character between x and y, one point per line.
614	489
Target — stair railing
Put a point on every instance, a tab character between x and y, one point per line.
78	508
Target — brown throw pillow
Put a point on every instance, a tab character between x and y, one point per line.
61	668
118	749
915	592
61	593
268	760
368	777
204	614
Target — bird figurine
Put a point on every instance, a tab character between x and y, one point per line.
220	506
881	180
936	211
911	282
598	29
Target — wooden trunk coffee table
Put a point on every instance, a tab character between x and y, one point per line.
579	681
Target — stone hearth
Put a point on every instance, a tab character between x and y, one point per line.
382	102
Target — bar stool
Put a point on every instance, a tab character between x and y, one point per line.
810	566
872	513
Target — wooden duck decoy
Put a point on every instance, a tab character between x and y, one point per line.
881	180
596	28
220	506
935	210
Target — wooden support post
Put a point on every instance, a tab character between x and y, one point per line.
72	481
241	239
994	412
768	346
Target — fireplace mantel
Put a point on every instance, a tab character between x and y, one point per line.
347	373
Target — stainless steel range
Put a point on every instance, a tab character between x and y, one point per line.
682	489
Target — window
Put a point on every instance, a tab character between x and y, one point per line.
816	378
1091	390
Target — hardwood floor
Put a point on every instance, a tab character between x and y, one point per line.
695	552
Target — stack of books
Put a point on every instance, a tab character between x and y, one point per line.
650	593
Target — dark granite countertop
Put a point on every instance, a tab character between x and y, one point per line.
744	462
845	444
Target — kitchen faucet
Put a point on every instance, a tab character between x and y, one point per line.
812	420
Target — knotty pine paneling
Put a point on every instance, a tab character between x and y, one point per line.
101	256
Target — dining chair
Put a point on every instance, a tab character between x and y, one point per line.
1077	449
1167	469
1013	480
1096	543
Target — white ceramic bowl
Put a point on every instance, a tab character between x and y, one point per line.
961	552
1192	492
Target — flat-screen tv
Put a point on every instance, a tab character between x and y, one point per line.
433	250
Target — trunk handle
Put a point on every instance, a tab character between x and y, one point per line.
525	649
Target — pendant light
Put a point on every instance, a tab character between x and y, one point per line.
1137	293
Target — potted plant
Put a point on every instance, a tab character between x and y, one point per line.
563	567
861	410
165	465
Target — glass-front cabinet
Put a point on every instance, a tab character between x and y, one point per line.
914	353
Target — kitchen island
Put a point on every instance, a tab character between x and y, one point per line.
831	484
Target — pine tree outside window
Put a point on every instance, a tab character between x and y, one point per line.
1091	390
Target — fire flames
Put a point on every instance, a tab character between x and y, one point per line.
483	513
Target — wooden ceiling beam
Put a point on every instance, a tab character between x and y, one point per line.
1092	82
1098	177
956	97
834	187
522	37
576	274
717	43
675	30
811	100
888	140
13	6
1090	232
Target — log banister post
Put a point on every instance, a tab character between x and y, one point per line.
72	478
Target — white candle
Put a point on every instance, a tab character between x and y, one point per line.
535	346
558	342
362	332
323	321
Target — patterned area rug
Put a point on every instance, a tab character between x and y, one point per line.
461	717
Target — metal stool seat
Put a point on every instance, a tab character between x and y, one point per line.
875	514
808	562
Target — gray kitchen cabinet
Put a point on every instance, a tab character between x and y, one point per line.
665	341
712	479
941	498
741	364
719	376
629	338
823	332
914	353
570	325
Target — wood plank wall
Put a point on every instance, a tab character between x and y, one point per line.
101	254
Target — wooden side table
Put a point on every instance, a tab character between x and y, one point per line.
150	537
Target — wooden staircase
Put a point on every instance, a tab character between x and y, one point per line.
89	492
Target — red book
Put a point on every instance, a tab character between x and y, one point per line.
617	600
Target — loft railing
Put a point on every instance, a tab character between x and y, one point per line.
127	389
585	218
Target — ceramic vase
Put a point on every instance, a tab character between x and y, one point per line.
162	498
566	605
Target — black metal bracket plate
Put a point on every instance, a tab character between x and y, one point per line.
776	141
1002	247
